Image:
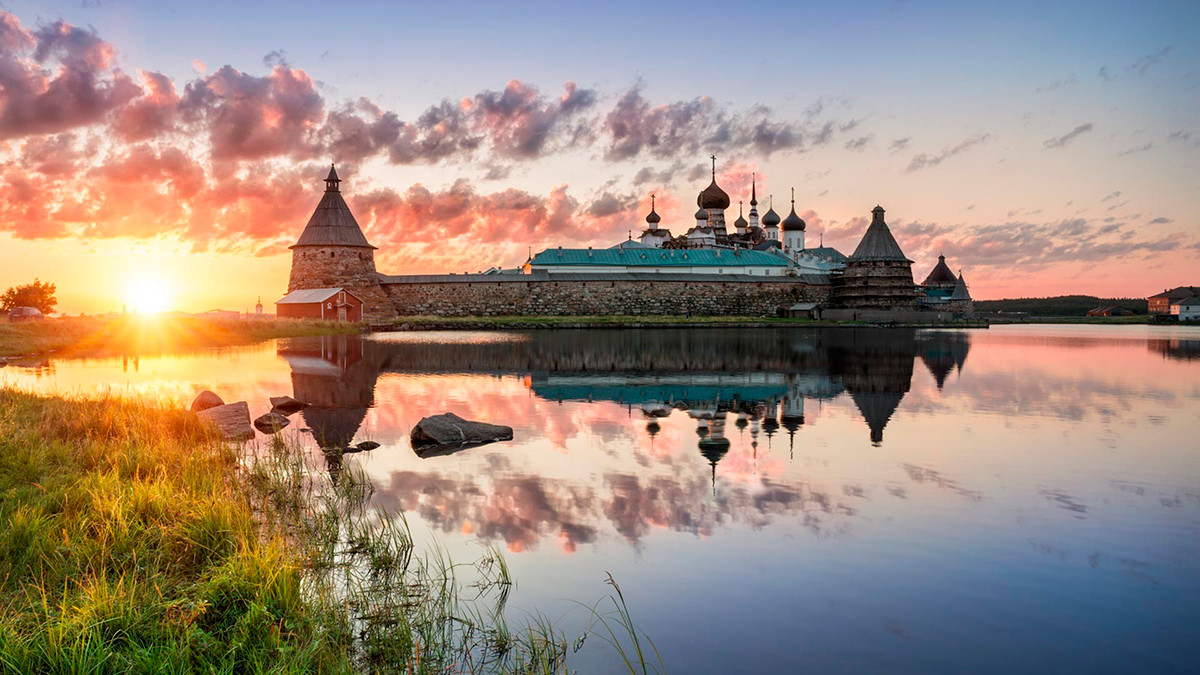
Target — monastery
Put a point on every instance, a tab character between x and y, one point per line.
760	268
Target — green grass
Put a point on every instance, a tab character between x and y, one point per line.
132	540
124	547
146	335
614	320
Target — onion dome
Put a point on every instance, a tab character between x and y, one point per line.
793	222
741	222
701	214
713	197
770	218
653	218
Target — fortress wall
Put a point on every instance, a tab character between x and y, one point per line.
586	298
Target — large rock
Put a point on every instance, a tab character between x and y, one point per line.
439	433
232	421
286	405
205	400
271	423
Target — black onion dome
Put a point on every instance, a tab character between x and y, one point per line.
793	223
701	214
770	218
653	218
713	197
741	222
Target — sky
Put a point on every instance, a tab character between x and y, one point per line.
162	154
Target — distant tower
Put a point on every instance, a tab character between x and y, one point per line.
793	230
877	275
258	308
753	205
654	235
740	224
714	200
333	253
770	221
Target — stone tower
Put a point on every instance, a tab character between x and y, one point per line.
332	252
877	276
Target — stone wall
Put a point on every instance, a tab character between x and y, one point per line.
348	267
882	284
585	298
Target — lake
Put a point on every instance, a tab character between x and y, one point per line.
1023	498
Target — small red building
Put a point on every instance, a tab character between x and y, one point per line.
329	304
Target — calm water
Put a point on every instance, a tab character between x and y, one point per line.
829	500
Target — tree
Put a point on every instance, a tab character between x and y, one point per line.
38	294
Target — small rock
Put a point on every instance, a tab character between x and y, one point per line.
450	432
271	423
286	405
366	446
232	421
205	400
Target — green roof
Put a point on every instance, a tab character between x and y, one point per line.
655	257
827	252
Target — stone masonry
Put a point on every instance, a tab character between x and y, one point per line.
349	267
479	297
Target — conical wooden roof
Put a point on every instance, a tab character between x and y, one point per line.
960	289
331	223
878	243
941	273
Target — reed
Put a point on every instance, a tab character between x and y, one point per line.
132	540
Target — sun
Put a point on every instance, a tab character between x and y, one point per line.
146	295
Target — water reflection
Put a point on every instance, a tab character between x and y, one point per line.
909	501
764	377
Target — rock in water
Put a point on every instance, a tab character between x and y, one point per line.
449	431
271	423
232	421
205	400
366	446
286	405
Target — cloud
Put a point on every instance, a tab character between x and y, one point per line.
635	127
1141	148
1065	139
250	117
1161	220
1146	62
857	144
925	160
1111	196
1057	84
1104	74
899	144
56	78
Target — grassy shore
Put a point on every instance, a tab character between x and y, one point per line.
132	540
150	334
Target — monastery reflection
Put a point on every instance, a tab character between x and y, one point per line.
764	378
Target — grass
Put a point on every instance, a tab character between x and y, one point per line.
573	321
146	335
132	540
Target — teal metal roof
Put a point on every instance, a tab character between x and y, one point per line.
641	257
827	252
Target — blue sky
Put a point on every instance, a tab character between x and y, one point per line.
968	122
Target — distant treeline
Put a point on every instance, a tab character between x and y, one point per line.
1063	305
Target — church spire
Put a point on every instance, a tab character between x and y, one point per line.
753	196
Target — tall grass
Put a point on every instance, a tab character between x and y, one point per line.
132	540
150	334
